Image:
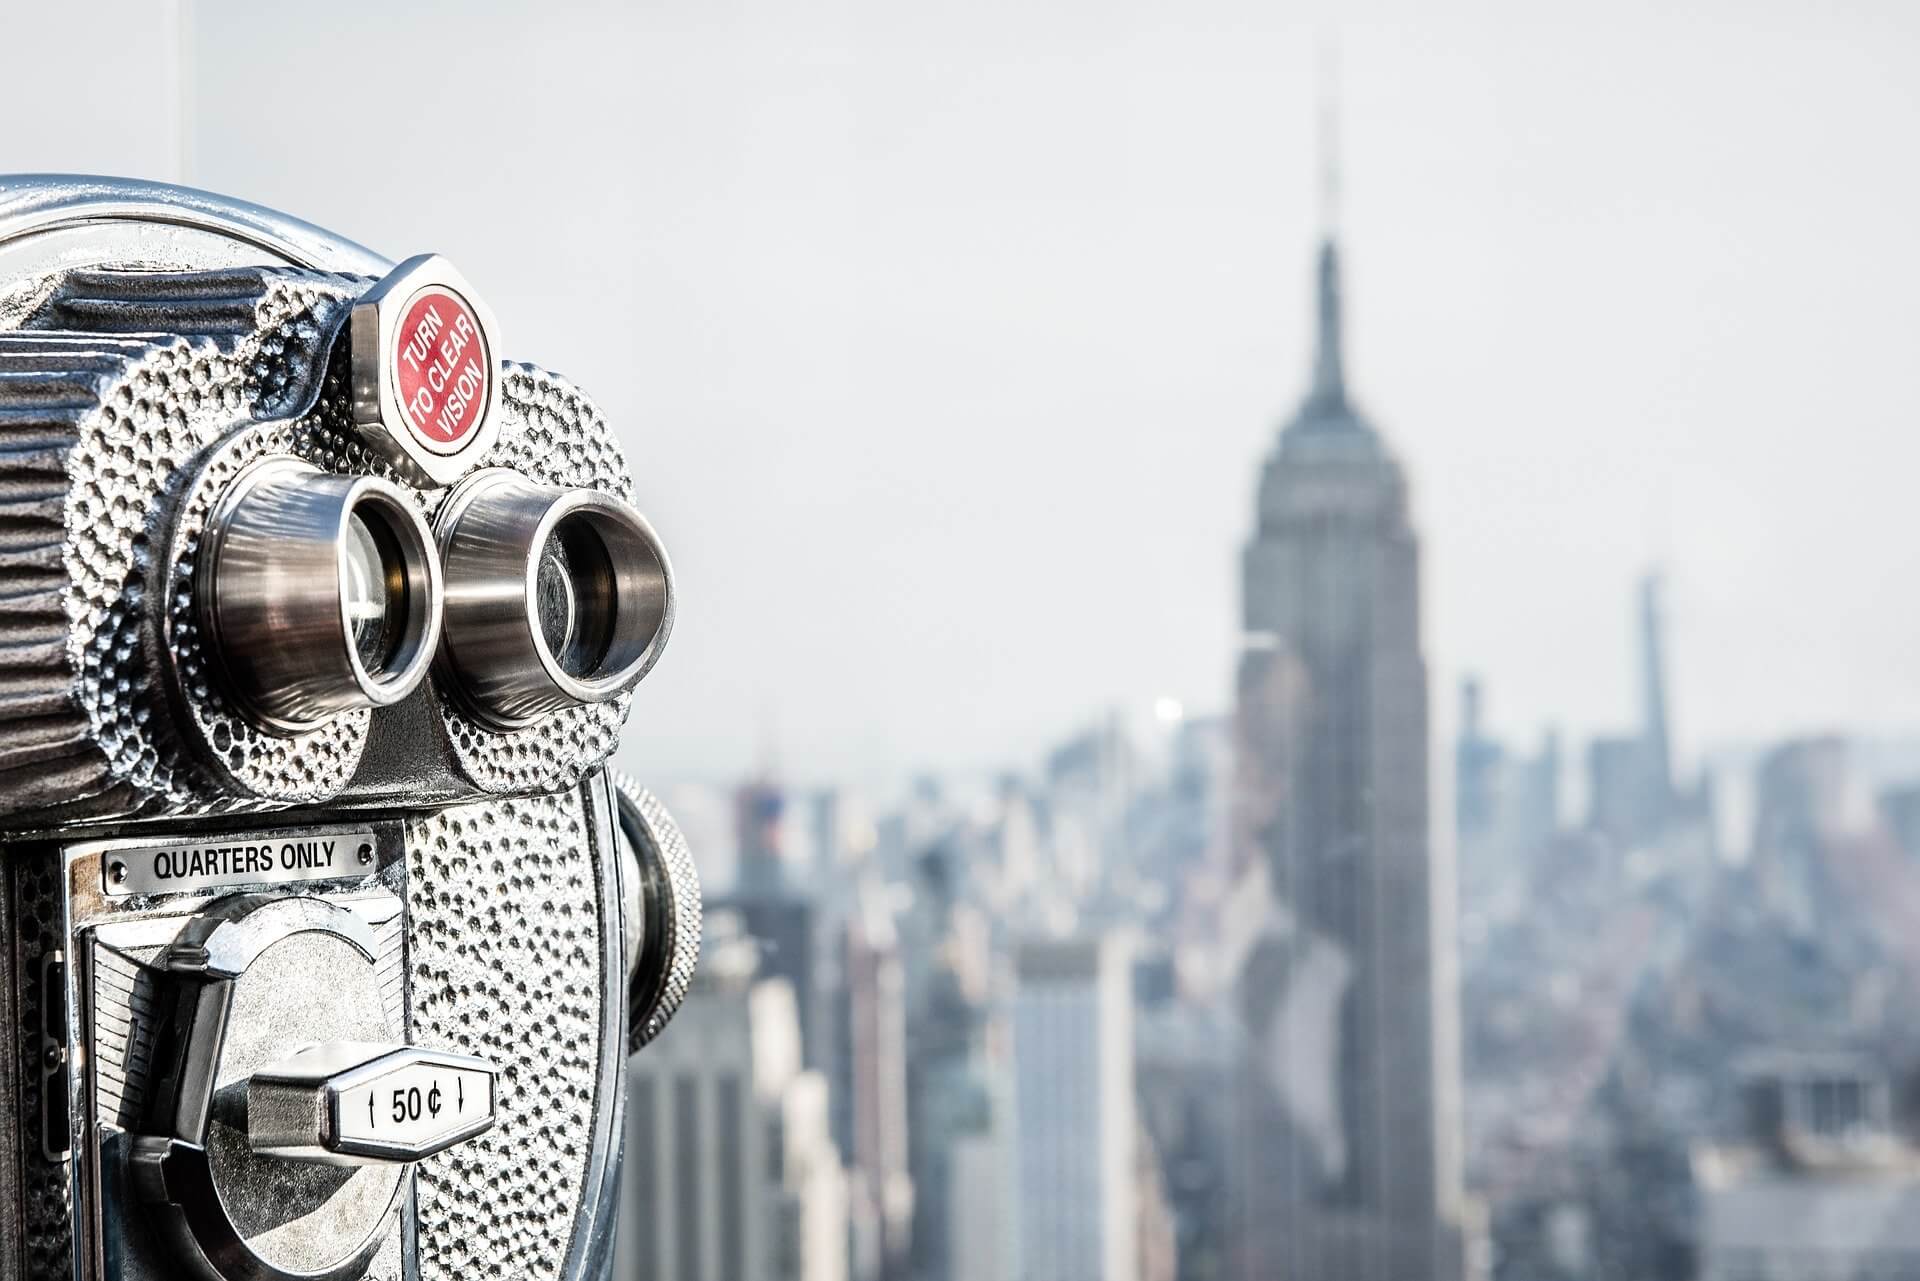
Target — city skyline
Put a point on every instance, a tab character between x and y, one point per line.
966	296
1223	694
1274	1084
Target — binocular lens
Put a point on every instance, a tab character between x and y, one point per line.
375	584
555	597
319	593
594	623
574	565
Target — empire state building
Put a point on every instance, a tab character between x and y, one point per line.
1347	1167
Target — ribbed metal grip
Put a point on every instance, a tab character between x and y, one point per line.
668	917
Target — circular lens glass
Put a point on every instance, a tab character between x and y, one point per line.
576	597
375	586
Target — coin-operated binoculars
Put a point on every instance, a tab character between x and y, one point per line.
325	933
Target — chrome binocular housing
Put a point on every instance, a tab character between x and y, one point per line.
325	928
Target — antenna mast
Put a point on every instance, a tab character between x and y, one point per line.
1327	74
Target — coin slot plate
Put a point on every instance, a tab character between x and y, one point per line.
230	862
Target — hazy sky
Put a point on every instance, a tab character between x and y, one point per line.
947	339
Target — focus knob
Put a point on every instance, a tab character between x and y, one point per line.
663	911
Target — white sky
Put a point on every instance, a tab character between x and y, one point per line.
946	339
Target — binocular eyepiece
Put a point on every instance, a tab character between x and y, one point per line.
322	593
554	596
319	593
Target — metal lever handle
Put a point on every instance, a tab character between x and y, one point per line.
353	1103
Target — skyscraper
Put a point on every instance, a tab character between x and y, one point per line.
1653	691
962	1127
867	1058
1075	1117
1348	1164
776	901
1631	793
734	1173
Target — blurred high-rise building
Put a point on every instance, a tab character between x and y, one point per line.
760	835
1632	792
734	1174
1506	808
1347	1168
1155	1237
961	1130
1819	1183
1476	765
774	900
1075	1117
867	1055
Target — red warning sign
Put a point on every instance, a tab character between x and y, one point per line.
440	369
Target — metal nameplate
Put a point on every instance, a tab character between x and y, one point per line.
231	862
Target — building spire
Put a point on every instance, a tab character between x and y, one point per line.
1653	688
1327	78
1329	377
1329	374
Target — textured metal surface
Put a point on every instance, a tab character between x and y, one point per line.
124	1021
554	434
97	435
95	430
668	912
520	978
252	762
119	368
10	1129
46	1187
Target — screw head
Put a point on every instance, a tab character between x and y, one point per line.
117	872
366	855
